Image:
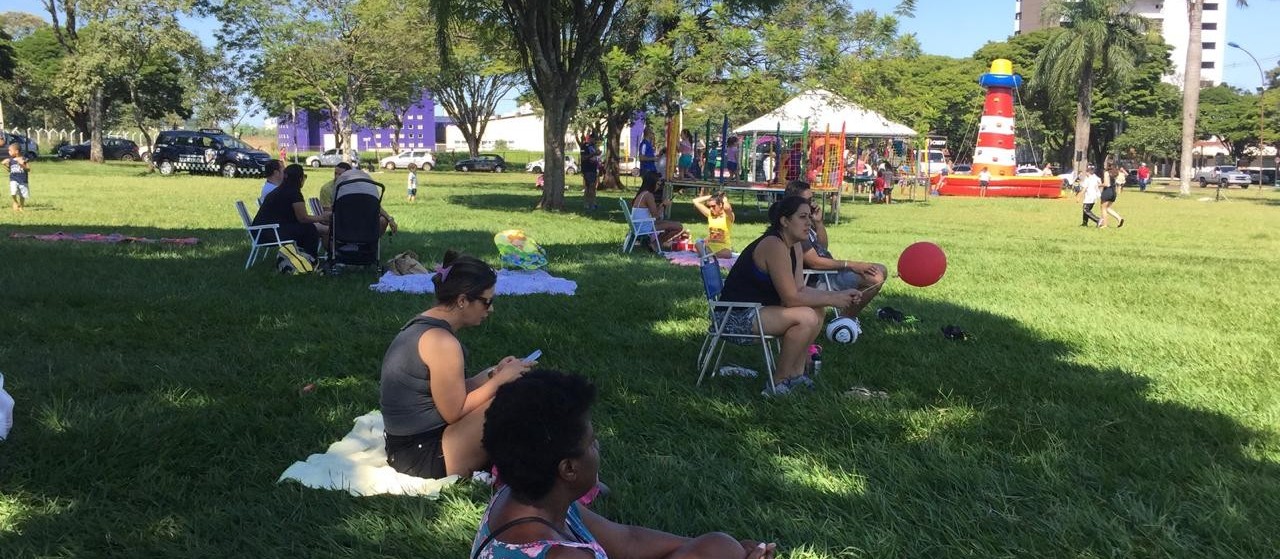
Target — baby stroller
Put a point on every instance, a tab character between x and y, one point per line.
355	229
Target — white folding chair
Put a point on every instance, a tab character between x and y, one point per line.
261	237
638	227
824	277
713	344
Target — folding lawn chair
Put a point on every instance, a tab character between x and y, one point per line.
261	237
823	277
713	344
638	227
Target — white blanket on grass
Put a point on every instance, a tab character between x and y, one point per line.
357	464
510	282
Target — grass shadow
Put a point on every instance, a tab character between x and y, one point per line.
1008	427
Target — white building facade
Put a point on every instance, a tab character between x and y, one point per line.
1169	18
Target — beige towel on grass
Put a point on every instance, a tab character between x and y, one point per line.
357	464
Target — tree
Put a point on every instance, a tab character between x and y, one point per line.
1191	89
18	25
226	98
559	42
1100	36
97	40
476	72
320	54
150	50
32	91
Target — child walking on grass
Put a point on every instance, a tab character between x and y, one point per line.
18	169
719	214
413	186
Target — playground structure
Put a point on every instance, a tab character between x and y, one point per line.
996	152
817	136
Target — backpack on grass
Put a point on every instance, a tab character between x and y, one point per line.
293	261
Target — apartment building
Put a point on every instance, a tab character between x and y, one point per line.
1169	18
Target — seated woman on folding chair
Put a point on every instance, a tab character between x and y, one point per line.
646	205
433	413
770	272
286	207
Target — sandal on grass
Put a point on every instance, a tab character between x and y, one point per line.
736	371
864	393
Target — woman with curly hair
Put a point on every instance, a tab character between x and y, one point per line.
538	431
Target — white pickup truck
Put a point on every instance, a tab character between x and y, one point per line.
1222	175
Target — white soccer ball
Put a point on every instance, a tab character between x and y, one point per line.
844	330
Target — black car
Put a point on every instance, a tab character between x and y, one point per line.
112	148
208	150
28	146
484	162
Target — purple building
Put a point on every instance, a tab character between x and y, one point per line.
313	130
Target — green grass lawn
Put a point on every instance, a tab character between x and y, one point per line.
1119	396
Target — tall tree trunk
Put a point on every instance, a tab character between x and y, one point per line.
1084	108
1190	95
555	125
95	126
473	141
613	138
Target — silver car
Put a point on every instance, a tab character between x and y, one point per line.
332	157
1223	175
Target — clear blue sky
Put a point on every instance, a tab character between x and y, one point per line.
958	27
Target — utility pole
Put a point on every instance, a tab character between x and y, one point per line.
1262	118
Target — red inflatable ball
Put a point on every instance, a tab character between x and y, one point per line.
922	264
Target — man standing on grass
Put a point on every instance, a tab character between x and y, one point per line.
590	171
1144	177
1090	192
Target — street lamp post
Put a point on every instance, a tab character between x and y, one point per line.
1261	109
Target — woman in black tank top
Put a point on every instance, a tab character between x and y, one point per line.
1114	180
432	412
769	272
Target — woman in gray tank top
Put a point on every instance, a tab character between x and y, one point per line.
433	413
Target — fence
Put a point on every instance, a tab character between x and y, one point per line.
49	138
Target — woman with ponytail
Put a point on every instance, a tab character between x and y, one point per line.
433	413
770	272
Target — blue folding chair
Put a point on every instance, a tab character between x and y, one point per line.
713	344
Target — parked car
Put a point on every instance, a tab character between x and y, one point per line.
30	149
112	148
1268	175
1028	170
332	157
1222	175
570	166
485	162
411	159
961	169
937	162
208	150
629	166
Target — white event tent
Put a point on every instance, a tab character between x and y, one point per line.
826	111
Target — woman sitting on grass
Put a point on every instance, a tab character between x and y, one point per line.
285	207
547	465
433	413
770	272
719	214
646	205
